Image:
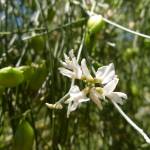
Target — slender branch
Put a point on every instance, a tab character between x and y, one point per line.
57	104
126	29
147	139
63	98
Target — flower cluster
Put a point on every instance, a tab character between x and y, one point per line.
98	87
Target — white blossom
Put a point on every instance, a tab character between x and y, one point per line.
108	81
70	68
76	98
99	87
85	71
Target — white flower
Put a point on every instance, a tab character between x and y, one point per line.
85	70
106	77
105	74
76	97
114	96
71	68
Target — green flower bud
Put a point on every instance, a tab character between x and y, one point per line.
95	24
24	137
10	77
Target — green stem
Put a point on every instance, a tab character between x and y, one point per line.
147	139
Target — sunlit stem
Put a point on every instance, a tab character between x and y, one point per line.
126	29
147	139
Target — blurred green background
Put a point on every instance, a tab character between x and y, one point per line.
35	34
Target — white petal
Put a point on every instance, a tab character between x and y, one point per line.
74	90
83	100
85	69
109	68
110	76
117	97
71	64
108	88
122	95
106	73
64	64
66	72
79	73
76	68
66	58
100	72
71	53
74	106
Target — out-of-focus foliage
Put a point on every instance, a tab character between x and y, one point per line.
34	34
24	136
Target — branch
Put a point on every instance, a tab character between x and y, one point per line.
126	29
147	139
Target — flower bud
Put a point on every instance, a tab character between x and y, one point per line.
10	77
54	106
24	136
95	24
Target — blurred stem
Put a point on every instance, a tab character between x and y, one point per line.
147	139
74	23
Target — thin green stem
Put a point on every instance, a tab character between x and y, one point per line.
147	139
63	98
126	29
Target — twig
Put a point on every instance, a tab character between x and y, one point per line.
126	29
147	139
